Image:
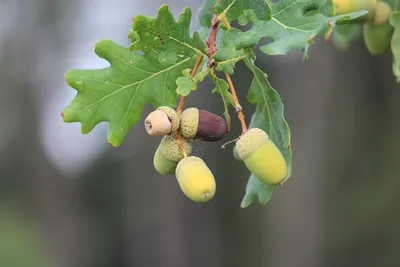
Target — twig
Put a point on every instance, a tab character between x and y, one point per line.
211	40
239	109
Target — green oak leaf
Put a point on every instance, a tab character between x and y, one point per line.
395	44
268	116
236	8
222	87
205	13
117	93
256	188
186	83
289	28
345	35
227	57
168	38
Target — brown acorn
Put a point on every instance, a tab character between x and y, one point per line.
162	121
203	125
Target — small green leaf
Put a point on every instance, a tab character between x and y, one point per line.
268	116
227	57
186	83
170	39
222	87
289	28
236	8
117	94
395	22
256	188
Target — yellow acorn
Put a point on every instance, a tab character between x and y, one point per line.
380	14
162	121
262	157
195	179
168	154
203	125
377	39
349	6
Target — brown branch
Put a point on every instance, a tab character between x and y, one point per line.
212	49
211	40
239	109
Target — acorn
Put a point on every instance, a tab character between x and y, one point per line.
349	6
195	179
262	157
162	121
168	154
380	14
203	125
377	39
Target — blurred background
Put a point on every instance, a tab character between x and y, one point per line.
71	200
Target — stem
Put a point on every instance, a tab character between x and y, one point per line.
194	71
181	146
239	109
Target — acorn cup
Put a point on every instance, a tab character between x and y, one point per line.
168	154
380	14
163	121
262	157
203	125
195	179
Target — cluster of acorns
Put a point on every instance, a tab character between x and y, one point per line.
377	31
197	182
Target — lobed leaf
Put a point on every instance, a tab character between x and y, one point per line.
236	8
227	57
205	13
268	116
186	83
293	26
168	38
256	188
222	87
117	93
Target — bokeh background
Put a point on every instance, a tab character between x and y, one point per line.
71	200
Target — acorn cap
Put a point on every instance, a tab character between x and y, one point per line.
250	141
189	122
162	121
380	14
203	125
173	117
170	149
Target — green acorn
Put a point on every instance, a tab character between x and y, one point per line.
377	39
195	179
262	157
168	154
162	121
